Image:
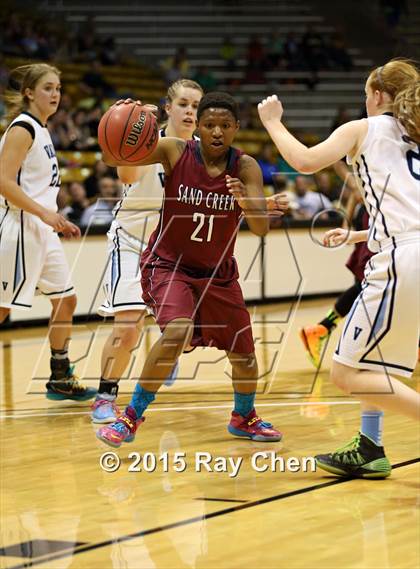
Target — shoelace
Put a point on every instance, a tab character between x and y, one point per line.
120	427
74	380
101	401
349	448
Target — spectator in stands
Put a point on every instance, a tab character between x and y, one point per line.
92	182
338	54
309	202
87	42
267	162
78	203
80	134
314	50
100	212
392	10
246	109
256	61
285	168
108	52
228	53
327	186
340	118
94	84
60	126
275	50
205	78
176	66
292	52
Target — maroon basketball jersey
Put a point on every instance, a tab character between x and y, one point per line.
199	217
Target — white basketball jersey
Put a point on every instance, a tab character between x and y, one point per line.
38	176
142	201
387	168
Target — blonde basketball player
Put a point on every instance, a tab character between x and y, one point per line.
380	335
135	216
31	255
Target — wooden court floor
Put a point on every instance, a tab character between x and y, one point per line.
60	509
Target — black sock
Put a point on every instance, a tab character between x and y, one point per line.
345	301
108	387
59	364
331	319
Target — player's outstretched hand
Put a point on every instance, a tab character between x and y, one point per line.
270	109
71	231
339	236
277	205
55	220
127	102
151	108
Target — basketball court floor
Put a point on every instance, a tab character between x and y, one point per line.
60	509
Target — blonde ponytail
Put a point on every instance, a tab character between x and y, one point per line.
407	110
400	79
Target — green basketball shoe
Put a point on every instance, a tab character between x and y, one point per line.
360	458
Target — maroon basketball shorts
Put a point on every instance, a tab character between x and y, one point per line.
214	302
358	259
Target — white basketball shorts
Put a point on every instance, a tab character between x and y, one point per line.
381	332
32	261
121	284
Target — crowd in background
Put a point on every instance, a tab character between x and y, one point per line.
74	126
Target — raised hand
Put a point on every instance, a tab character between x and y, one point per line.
270	109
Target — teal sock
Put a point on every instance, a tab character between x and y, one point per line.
244	403
141	399
372	425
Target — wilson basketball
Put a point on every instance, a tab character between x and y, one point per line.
128	132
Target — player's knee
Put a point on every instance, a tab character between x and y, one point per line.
128	336
245	365
178	333
4	313
341	376
65	307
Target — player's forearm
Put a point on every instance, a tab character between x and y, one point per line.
129	174
257	221
14	194
360	236
294	152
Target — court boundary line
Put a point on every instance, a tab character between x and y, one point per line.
190	408
189	521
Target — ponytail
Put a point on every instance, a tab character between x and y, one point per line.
400	79
407	110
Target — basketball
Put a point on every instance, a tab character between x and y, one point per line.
128	132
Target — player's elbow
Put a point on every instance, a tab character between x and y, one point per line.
305	166
260	229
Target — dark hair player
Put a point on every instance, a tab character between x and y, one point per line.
189	274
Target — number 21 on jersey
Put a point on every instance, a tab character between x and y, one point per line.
200	219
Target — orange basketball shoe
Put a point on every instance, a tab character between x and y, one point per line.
314	338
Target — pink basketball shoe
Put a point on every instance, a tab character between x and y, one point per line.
252	427
122	431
